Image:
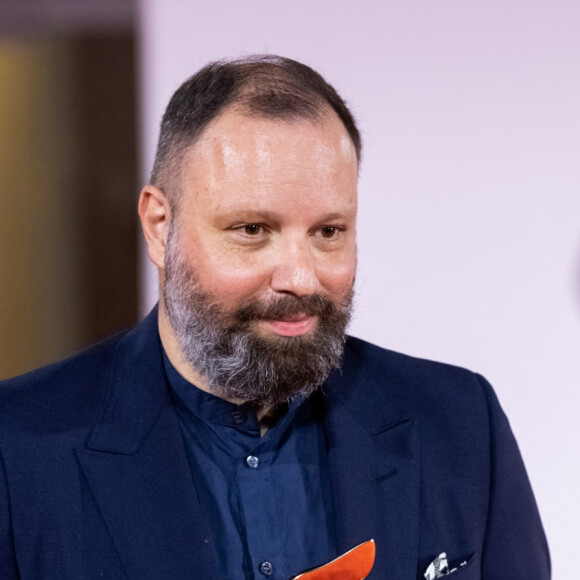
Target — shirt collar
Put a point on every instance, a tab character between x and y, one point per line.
216	410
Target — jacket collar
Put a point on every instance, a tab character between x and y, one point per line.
137	391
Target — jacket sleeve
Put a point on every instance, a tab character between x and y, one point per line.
515	544
8	570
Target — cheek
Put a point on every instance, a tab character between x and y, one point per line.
337	276
221	272
229	278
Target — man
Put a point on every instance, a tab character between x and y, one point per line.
236	433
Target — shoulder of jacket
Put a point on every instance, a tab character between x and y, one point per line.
53	395
419	385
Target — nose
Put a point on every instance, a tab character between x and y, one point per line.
295	272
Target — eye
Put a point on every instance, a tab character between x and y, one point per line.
329	231
252	229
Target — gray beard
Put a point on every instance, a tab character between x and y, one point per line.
236	362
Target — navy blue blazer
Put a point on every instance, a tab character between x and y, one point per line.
95	481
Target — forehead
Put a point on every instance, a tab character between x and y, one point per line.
260	160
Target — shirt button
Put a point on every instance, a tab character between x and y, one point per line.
266	568
252	462
238	417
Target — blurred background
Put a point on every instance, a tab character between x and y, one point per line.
68	177
469	227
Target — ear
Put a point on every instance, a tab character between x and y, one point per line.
155	215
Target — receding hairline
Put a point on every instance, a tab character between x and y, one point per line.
324	114
259	86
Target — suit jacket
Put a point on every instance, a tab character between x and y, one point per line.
95	481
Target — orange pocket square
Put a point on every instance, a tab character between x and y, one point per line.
356	564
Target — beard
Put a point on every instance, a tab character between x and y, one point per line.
235	360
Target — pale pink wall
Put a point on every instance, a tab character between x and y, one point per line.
470	191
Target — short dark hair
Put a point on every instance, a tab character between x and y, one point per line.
267	86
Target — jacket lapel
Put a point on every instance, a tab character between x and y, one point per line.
374	468
138	471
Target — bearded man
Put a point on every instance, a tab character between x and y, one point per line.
237	432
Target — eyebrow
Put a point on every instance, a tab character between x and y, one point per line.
275	216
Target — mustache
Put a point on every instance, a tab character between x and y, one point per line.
284	307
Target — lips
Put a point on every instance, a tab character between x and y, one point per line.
292	325
294	318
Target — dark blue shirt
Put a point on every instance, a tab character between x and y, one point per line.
265	500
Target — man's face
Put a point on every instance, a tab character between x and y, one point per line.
264	244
